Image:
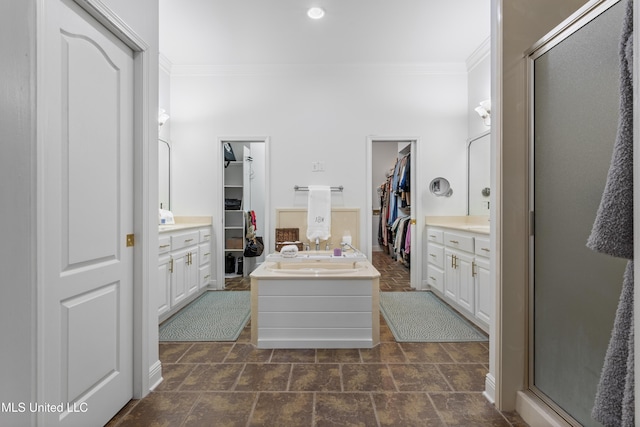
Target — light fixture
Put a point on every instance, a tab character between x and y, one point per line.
162	117
315	13
484	111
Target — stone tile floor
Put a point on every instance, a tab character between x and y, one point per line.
394	384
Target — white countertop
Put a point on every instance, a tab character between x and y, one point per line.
185	223
475	224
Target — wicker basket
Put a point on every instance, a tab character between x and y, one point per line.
286	236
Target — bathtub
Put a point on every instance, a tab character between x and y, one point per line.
315	300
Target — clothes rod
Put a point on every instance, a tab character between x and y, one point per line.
299	188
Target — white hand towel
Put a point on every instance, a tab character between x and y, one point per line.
319	213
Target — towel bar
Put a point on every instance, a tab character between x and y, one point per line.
299	188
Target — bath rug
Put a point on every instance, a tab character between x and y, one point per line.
214	316
423	317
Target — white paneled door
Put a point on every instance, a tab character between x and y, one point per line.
85	351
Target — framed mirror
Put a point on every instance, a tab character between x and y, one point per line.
479	174
164	174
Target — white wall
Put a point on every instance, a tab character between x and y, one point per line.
317	114
479	78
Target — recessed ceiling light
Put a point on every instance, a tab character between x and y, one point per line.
315	13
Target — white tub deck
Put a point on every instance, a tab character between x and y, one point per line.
317	302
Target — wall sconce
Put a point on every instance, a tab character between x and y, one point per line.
484	111
162	117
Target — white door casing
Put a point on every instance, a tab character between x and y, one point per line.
87	188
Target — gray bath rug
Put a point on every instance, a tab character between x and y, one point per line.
214	316
423	317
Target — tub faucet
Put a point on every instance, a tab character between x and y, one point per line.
347	244
317	244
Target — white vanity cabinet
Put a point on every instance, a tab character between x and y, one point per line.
458	270
436	260
482	280
184	267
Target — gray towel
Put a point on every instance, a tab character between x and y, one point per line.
612	234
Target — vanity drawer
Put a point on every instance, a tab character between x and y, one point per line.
183	240
435	236
204	276
483	247
435	278
435	255
459	241
164	244
204	253
205	235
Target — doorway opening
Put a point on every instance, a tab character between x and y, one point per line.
392	208
244	208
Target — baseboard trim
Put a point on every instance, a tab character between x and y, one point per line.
155	375
490	388
536	413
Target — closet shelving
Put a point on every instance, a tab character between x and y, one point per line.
234	227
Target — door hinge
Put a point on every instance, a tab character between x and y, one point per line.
130	240
532	223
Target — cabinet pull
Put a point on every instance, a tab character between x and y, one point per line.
207	254
454	241
473	269
171	265
188	240
432	255
455	261
433	278
433	236
485	249
207	276
206	236
164	246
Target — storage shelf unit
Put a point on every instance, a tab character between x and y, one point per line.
234	218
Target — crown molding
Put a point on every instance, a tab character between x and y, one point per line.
479	54
301	69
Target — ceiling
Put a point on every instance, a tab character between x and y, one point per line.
245	32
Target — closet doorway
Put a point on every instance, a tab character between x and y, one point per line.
393	209
244	207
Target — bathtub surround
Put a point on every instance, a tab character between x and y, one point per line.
214	316
315	300
423	317
612	234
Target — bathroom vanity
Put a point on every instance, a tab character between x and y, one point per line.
458	254
184	263
315	300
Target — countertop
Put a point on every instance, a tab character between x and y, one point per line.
314	269
475	224
185	223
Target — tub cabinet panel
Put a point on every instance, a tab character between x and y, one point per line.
314	312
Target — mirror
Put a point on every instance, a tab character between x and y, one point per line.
164	174
441	187
479	174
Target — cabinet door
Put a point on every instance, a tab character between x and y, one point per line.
466	291
483	291
178	282
451	276
164	285
191	271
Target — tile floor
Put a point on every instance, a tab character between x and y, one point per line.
394	384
